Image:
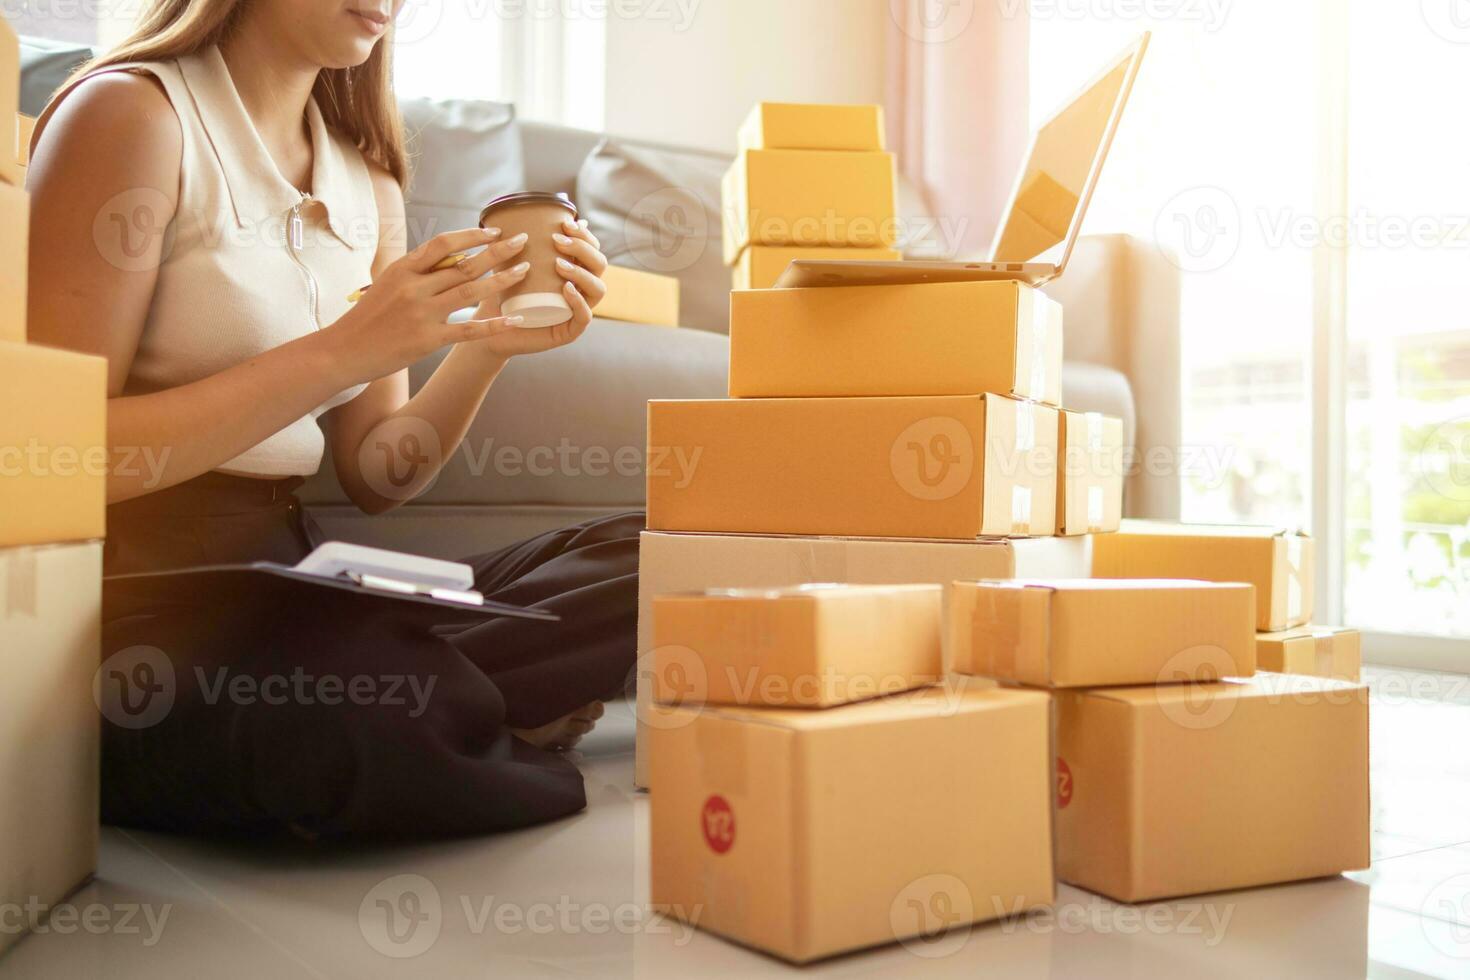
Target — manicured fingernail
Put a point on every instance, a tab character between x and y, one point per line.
514	321
561	239
492	232
563	264
521	269
568	224
583	224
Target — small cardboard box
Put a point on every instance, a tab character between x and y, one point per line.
15	232
1317	651
810	646
960	338
1191	788
790	126
761	265
810	197
1105	632
636	296
11	170
1090	477
696	562
53	445
812	833
50	645
1277	562
955	467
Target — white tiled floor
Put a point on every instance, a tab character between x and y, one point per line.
568	897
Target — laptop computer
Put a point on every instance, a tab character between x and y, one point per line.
1050	199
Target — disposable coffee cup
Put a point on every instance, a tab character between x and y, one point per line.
538	297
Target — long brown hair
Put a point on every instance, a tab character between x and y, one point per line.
356	102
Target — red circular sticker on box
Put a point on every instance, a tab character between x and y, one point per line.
1064	784
718	821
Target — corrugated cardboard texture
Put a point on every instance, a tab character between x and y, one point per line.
815	849
1090	475
53	432
761	265
50	613
810	197
1100	632
957	467
636	296
1317	651
1186	789
694	562
15	227
1277	562
803	647
792	126
934	339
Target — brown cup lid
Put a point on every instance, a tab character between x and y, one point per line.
528	197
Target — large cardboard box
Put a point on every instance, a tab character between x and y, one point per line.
1277	562
15	231
50	640
760	266
809	646
53	445
792	126
959	338
957	467
1090	477
11	171
695	562
813	833
25	127
636	296
1191	788
1317	651
1105	632
810	197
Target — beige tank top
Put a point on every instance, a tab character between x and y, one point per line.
249	262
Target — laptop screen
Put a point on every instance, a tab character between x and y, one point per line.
1054	181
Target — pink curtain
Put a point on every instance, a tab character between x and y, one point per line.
957	109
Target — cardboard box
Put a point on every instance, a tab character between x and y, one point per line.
961	338
50	645
1102	632
955	467
811	646
1090	477
1192	788
15	234
760	266
789	126
1316	651
53	439
11	171
1277	562
25	127
695	562
812	833
637	296
810	197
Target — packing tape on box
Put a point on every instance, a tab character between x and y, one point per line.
1094	510
1295	587
1021	511
997	635
1324	649
1040	323
1094	432
1025	428
21	568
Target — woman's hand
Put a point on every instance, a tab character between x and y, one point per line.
404	317
582	266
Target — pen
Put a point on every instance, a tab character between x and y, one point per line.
448	262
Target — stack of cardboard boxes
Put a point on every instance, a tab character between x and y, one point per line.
808	182
52	498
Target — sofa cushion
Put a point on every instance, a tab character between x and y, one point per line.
658	208
44	66
471	153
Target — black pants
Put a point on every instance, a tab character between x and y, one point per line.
298	719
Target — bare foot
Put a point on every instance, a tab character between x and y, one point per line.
565	732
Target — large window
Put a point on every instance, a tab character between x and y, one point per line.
1304	164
